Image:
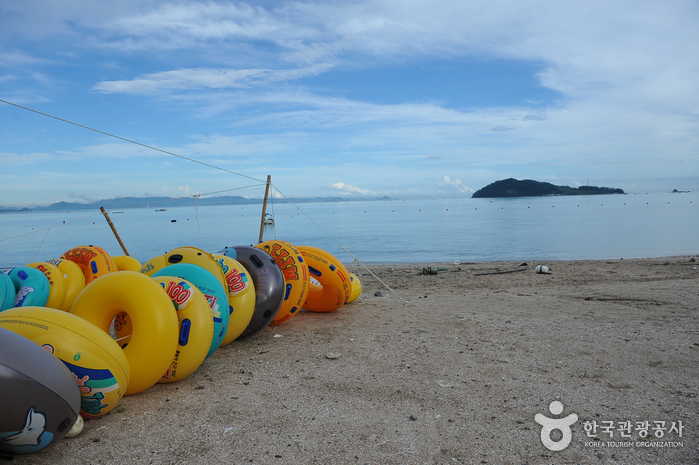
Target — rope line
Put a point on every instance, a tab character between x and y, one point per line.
131	141
209	165
40	245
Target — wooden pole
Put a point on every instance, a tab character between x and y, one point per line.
264	207
116	234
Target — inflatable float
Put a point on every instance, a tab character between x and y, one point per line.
241	296
269	284
196	327
153	341
335	286
74	279
92	260
211	288
98	365
296	277
31	287
39	398
57	283
7	292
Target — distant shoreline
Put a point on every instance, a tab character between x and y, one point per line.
144	202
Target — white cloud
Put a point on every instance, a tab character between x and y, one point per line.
210	78
457	185
349	189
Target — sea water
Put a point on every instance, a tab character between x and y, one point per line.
396	231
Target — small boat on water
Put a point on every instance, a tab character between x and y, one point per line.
161	210
269	219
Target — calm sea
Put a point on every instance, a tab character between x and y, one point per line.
399	231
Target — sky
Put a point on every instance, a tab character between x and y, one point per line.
406	99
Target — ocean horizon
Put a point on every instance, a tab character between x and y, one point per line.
382	231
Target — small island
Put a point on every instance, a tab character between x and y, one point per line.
528	188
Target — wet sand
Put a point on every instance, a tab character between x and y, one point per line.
448	368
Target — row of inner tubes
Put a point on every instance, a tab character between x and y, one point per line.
110	320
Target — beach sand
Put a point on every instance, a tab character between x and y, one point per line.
449	368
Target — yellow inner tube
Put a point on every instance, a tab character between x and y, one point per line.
241	296
74	278
57	283
335	286
196	327
92	260
153	342
100	367
296	277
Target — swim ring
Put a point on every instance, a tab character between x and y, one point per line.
269	284
185	254
335	286
92	260
74	278
99	366
126	263
155	331
356	288
31	287
295	274
7	292
241	296
57	283
196	327
215	294
39	398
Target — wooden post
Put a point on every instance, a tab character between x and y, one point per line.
264	207
116	234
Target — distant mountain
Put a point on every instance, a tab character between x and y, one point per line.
528	188
164	202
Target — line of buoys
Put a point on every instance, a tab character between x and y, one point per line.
119	327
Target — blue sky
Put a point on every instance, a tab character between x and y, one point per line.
347	98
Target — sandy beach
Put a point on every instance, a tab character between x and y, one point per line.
446	368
